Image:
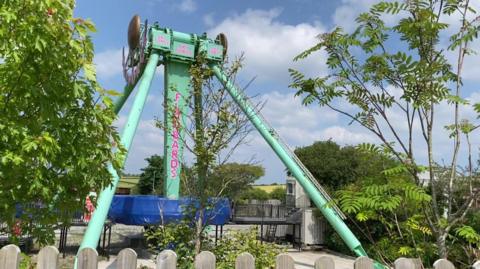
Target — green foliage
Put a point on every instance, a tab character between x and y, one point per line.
152	177
351	77
466	244
254	194
178	237
333	166
279	193
379	198
26	262
56	133
468	233
336	167
235	243
402	69
216	128
232	179
388	213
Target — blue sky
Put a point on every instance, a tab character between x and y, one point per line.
270	33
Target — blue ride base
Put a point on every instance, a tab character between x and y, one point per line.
146	210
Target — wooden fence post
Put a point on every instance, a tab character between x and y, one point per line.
443	264
245	261
127	259
363	263
167	259
9	257
205	260
324	262
404	263
284	261
87	259
48	258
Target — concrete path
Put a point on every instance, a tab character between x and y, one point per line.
306	259
111	264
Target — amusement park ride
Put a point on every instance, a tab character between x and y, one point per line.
150	46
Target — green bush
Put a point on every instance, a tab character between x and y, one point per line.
177	237
236	243
26	262
180	238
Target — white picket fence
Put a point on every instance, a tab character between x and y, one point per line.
48	258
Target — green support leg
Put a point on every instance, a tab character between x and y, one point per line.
94	229
177	91
122	98
337	223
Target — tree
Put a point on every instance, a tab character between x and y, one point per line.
56	131
332	165
235	178
336	167
395	93
216	128
279	193
152	177
254	194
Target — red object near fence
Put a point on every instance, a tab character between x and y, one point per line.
90	208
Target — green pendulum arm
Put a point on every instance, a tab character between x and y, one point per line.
320	201
94	229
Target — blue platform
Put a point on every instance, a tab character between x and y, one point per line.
153	210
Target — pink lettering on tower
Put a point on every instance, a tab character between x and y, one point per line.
174	162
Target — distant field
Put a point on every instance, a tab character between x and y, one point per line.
269	188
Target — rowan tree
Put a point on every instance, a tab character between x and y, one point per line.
395	78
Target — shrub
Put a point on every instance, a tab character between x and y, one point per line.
180	238
236	243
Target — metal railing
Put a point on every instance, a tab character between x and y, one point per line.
260	211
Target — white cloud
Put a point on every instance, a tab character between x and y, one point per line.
208	20
109	63
346	13
148	141
346	137
187	6
471	66
269	44
160	70
298	126
154	100
302	125
285	110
